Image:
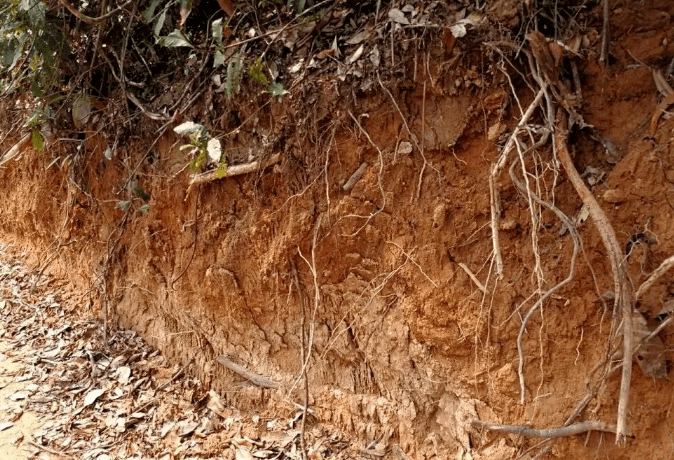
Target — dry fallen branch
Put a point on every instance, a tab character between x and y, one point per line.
569	430
622	286
256	379
235	170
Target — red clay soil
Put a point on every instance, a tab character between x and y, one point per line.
406	348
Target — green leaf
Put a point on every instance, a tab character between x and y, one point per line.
233	80
81	110
221	171
216	28
124	205
198	161
175	39
38	140
218	59
108	154
36	89
142	194
160	23
145	208
12	50
277	90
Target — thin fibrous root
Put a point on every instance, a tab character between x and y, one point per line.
496	169
572	271
655	276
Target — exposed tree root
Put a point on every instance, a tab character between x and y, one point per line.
572	270
569	430
256	379
624	298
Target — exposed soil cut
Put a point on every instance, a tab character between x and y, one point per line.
410	333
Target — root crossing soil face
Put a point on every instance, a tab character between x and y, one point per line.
395	253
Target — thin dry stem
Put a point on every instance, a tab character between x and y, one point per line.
379	179
472	276
256	379
605	35
495	207
16	150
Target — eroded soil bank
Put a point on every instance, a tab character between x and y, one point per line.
405	347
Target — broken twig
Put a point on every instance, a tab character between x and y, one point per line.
355	177
472	276
235	170
89	19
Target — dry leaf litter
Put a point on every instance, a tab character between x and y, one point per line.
123	402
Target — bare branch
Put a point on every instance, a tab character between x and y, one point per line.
89	19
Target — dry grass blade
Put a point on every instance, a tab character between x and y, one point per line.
16	150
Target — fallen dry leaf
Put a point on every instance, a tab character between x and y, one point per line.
92	396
